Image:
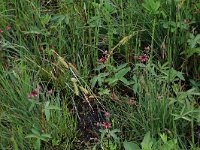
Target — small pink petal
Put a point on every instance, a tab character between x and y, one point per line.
103	59
147	48
98	124
50	91
107	114
33	94
143	58
105	52
106	125
8	28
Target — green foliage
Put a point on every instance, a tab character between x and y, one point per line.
149	143
28	123
111	75
58	43
39	137
151	6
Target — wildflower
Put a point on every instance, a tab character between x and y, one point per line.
33	94
105	52
136	57
1	31
107	114
147	48
50	92
143	58
106	125
98	124
8	28
186	21
103	59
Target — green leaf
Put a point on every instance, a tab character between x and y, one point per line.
147	142
15	145
36	30
58	19
94	81
31	136
151	6
45	19
131	146
101	66
193	91
37	144
125	81
120	67
114	136
122	72
46	111
54	108
47	114
112	81
103	91
195	41
180	75
192	51
36	132
45	137
163	137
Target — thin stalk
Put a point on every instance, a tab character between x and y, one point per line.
152	40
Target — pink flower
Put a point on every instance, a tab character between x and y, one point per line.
103	59
106	125
50	92
147	48
186	21
105	52
98	124
8	28
1	31
33	94
143	58
136	57
107	114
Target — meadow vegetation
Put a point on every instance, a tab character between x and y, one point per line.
100	74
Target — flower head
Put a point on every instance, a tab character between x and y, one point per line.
98	124
8	28
50	92
186	21
106	125
107	114
105	52
33	94
147	48
143	58
103	59
1	31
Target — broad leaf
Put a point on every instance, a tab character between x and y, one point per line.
122	72
131	146
147	142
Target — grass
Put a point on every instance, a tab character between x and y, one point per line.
65	63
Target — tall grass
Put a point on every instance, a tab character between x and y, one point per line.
59	45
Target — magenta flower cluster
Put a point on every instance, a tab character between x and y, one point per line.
107	124
7	28
143	58
104	58
35	92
